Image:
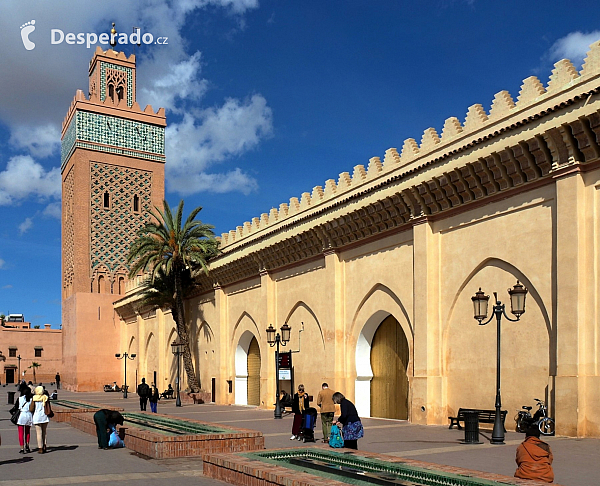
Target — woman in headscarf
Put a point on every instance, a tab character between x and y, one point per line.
299	404
24	422
40	419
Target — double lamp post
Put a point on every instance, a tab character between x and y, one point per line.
274	339
177	347
480	309
125	357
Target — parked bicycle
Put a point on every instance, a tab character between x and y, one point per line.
524	419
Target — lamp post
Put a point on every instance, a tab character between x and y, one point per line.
125	357
177	348
517	308
19	358
274	339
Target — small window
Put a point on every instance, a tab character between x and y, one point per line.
38	352
121	285
136	203
111	92
101	284
106	199
12	353
120	93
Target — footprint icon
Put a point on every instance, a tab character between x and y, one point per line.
27	29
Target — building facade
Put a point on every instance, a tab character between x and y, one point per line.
23	347
112	166
375	271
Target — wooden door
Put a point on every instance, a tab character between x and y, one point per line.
389	362
254	373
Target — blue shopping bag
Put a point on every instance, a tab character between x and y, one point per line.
335	437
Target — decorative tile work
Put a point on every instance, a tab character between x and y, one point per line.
119	132
114	228
69	232
67	143
103	68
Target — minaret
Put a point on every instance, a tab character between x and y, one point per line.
112	166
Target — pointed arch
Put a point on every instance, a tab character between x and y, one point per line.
241	367
302	305
238	322
507	267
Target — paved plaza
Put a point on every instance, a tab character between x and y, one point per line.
74	458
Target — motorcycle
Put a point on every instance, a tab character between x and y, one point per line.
524	419
112	388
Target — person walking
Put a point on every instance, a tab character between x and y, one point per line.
25	421
57	379
534	457
40	419
352	428
153	398
143	391
103	419
299	404
325	403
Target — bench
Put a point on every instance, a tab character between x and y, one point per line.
484	416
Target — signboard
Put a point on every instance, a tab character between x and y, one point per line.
285	361
285	374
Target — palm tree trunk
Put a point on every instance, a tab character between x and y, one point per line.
188	364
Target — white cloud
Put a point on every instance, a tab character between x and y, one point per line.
24	178
41	140
25	226
53	210
178	84
7	287
2	263
573	46
214	136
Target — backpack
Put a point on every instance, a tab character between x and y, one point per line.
335	437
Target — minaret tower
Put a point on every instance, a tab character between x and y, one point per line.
112	166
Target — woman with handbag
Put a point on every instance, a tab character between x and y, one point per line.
40	407
352	426
24	422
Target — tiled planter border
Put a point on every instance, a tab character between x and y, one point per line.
63	414
243	471
158	446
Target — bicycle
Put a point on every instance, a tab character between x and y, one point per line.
546	425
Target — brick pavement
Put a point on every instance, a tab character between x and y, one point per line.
575	460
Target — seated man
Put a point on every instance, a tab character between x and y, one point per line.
534	457
285	400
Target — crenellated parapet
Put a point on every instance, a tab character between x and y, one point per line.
523	162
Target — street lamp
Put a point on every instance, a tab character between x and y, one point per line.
517	307
19	358
125	357
273	338
177	348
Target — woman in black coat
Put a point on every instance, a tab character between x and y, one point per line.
299	404
352	428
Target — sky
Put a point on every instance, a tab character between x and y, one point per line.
265	99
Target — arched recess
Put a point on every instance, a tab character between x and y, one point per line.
254	373
528	347
151	354
241	368
378	304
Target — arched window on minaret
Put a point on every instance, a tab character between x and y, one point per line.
136	204
106	200
120	93
101	284
121	285
111	92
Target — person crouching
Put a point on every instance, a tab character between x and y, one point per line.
534	457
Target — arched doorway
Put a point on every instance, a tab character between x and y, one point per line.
389	363
254	373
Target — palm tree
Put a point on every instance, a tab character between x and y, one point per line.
34	365
168	250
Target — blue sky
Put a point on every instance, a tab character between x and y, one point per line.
265	99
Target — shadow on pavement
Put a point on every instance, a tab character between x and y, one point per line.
20	460
62	448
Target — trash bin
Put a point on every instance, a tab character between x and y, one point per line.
471	428
11	398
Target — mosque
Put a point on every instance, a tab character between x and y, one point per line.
373	271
